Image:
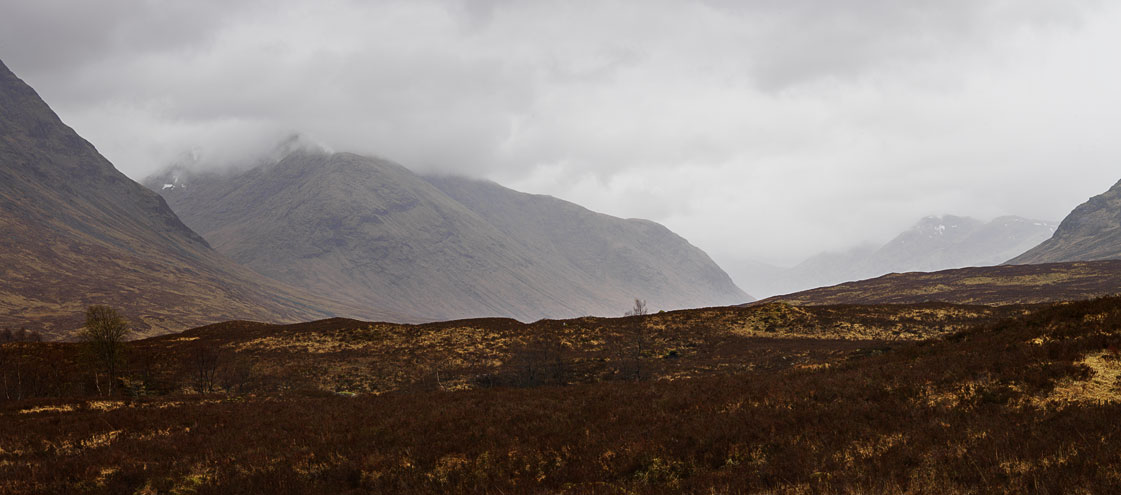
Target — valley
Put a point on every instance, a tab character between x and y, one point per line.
316	318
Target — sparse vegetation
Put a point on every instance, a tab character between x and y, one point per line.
1015	401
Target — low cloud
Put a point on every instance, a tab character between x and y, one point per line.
757	129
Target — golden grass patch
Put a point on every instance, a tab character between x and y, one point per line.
1101	386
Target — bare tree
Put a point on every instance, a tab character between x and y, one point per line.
635	341
21	335
237	374
639	308
104	342
12	359
205	362
9	365
23	375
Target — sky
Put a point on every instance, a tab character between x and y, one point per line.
760	130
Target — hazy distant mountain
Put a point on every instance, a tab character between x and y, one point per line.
934	243
953	242
371	232
822	269
1091	232
78	232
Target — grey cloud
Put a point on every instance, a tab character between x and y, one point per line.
794	42
757	128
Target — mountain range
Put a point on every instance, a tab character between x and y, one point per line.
309	234
1081	260
368	231
77	232
932	244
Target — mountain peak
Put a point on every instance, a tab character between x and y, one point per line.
373	232
78	232
941	225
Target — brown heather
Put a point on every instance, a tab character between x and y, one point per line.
1012	404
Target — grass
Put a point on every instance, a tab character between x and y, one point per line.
980	410
993	285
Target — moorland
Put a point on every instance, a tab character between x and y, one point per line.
926	398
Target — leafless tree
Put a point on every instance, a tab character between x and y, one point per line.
205	362
634	342
21	335
9	367
237	375
104	341
639	308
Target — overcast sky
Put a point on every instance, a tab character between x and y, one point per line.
757	129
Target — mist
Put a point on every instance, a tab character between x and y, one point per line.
758	130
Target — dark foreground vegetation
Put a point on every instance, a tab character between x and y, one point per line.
1021	403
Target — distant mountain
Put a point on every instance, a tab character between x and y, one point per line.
932	244
371	232
953	242
989	285
1091	232
78	232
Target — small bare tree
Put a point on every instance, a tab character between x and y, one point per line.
635	342
205	362
7	366
639	308
104	342
237	374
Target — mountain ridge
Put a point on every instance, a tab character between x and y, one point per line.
1091	232
79	232
370	231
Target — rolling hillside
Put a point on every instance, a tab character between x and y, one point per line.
992	285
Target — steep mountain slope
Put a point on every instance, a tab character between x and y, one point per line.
619	256
991	285
78	232
934	243
371	232
1091	232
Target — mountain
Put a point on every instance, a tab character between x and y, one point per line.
822	269
1091	232
78	232
990	285
371	232
932	244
